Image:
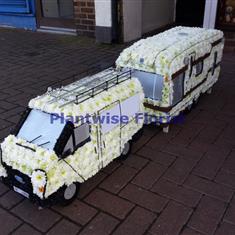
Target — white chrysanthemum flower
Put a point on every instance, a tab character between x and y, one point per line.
39	181
3	172
38	178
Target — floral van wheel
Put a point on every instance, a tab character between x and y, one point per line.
126	151
67	194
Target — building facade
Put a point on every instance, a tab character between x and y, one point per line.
107	20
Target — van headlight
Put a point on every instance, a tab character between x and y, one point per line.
39	181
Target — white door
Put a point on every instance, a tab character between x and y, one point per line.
109	133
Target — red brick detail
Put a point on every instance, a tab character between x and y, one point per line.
207	215
144	198
78	212
101	224
180	170
27	211
210	188
225	228
119	179
63	227
157	156
230	213
136	223
149	175
112	204
189	231
172	219
178	193
84	15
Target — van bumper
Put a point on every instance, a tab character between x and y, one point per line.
21	184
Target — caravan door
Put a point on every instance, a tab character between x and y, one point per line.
109	133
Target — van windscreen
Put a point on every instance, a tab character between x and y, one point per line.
152	84
39	129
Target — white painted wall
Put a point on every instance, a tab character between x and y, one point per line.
132	19
103	13
210	14
139	16
157	13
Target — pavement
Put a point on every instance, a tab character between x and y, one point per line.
177	183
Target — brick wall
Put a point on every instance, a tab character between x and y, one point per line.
84	15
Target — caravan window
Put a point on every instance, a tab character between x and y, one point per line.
215	61
152	84
178	88
199	68
82	134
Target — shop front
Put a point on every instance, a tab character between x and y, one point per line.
58	16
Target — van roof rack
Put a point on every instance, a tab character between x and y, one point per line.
88	87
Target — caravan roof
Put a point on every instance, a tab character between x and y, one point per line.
152	53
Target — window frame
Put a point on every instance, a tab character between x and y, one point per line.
182	88
67	153
69	132
201	70
143	76
88	139
215	62
106	128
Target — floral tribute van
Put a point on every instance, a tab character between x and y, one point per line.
69	134
174	68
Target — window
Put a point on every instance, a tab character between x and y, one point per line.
69	146
79	136
178	88
110	118
199	68
131	106
82	135
152	84
191	66
39	129
215	62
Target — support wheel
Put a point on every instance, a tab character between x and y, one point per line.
195	102
166	129
209	91
189	108
68	193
